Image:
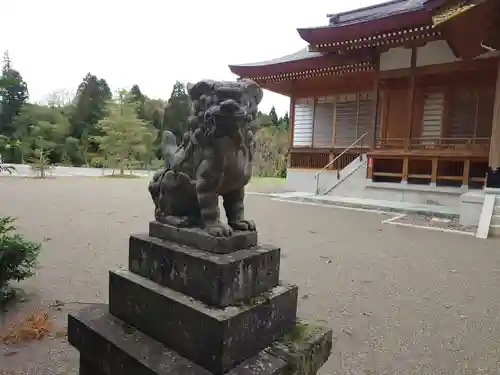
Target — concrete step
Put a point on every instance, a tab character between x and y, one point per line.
345	173
369	204
495	220
494	231
496	210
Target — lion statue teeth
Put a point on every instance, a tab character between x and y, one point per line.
214	159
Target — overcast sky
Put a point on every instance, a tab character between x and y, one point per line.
152	43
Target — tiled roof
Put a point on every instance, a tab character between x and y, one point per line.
374	12
304	53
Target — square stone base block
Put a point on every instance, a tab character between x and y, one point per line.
198	238
216	279
109	346
215	338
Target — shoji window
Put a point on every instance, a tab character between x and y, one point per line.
353	116
463	109
471	113
432	116
303	122
323	122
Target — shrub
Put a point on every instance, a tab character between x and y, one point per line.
40	164
18	257
271	152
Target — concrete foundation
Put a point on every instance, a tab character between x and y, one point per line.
471	205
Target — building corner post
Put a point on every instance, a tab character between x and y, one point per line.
493	174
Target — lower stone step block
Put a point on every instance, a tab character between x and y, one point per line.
216	339
305	348
216	279
109	346
89	368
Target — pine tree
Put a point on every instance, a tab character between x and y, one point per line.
285	121
90	108
177	111
13	95
273	116
136	96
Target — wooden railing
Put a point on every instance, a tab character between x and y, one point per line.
473	144
317	160
335	162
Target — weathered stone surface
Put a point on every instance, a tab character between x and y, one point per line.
109	345
221	124
216	279
305	348
263	363
200	239
88	368
216	339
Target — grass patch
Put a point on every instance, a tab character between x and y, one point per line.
124	176
267	180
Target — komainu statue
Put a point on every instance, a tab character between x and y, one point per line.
214	159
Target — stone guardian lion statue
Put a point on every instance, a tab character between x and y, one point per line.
214	159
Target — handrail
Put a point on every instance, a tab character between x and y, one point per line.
316	176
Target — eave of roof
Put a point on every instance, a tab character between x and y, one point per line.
296	62
367	21
434	4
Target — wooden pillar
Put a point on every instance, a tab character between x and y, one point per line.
411	93
291	123
465	177
493	177
434	172
291	119
404	178
375	104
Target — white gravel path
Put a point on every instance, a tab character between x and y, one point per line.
399	300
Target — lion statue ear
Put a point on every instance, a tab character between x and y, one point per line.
195	91
253	89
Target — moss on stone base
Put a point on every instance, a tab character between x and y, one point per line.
305	348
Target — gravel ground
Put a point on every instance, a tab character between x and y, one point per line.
435	222
399	300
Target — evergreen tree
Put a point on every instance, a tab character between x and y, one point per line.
285	122
13	94
177	111
90	108
273	116
136	96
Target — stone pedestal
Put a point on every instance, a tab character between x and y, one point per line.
192	304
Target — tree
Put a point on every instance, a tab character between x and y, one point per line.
90	104
42	128
273	116
136	96
284	122
123	133
177	111
262	120
13	94
154	111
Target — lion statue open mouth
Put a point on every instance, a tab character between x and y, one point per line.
214	159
